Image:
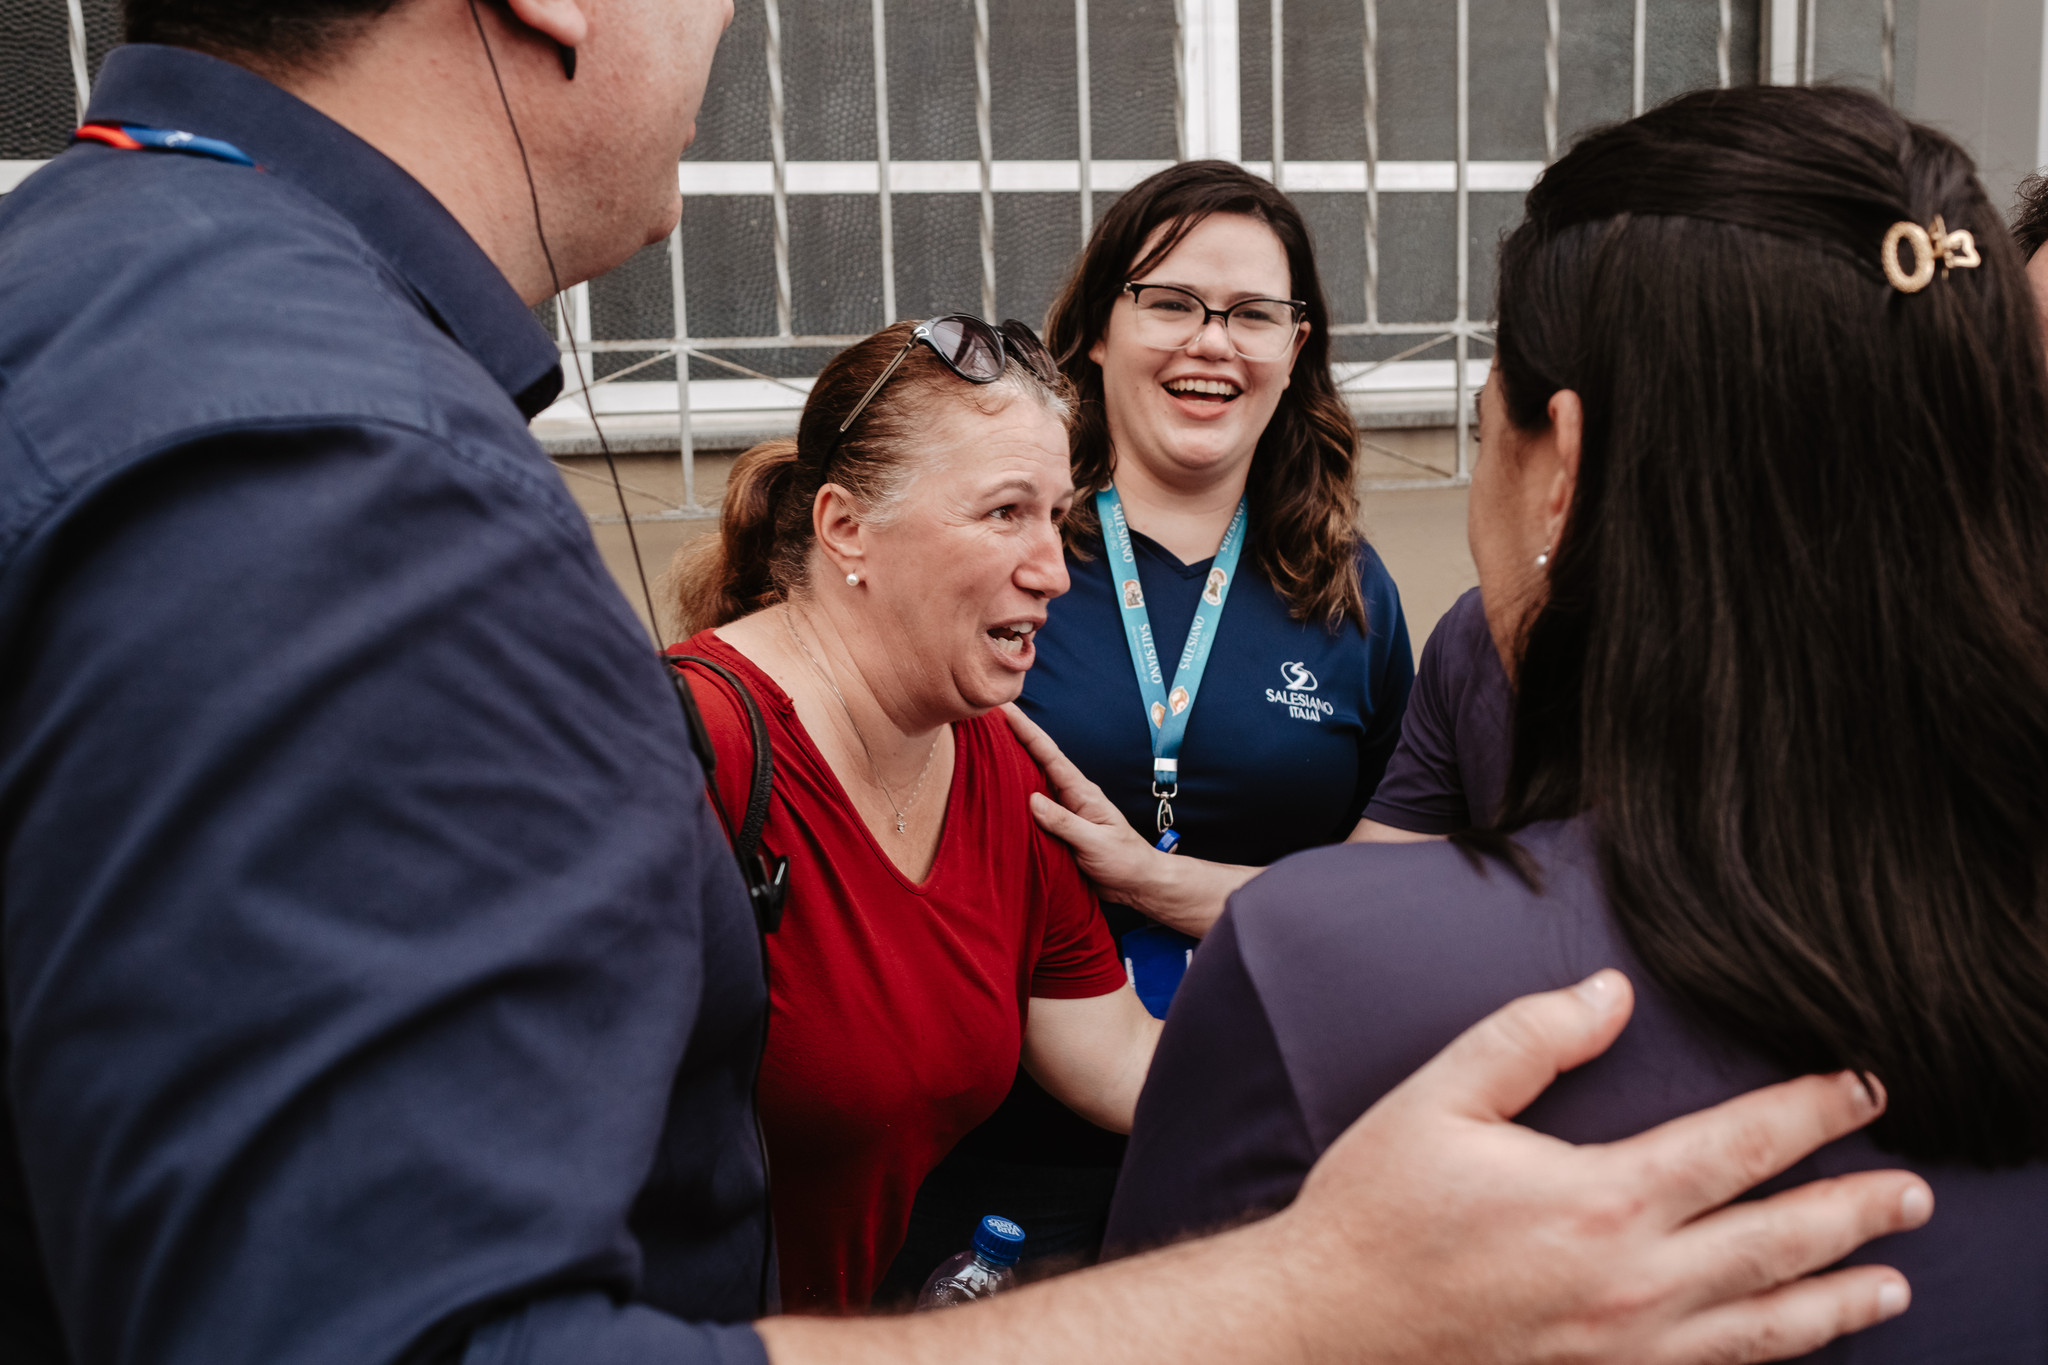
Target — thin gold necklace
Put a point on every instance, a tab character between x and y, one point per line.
902	812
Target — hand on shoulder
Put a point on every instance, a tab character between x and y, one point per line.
1476	1238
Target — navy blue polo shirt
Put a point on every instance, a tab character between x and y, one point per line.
376	977
1291	728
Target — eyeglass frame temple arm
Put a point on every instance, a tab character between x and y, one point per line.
922	331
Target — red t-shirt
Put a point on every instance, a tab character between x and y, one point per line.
896	1008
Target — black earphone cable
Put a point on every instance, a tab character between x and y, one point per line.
633	541
562	317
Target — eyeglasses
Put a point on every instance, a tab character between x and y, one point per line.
972	349
1170	318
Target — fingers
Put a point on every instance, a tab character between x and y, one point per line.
1062	824
1704	1160
1072	786
1046	754
1750	1248
1496	1068
1793	1321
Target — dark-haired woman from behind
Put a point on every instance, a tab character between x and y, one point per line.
1761	519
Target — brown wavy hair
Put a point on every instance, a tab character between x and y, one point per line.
1303	506
295	36
2030	214
761	554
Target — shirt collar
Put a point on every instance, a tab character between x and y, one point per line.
173	88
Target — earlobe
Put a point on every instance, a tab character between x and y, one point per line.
838	532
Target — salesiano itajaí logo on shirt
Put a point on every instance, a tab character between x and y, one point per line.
1298	693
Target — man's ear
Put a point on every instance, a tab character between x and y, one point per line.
1567	431
566	22
838	530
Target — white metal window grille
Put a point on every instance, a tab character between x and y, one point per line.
904	157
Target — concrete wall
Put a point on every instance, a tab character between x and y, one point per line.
1981	79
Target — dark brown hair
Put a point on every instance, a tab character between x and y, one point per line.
287	32
763	546
1303	508
1794	656
2030	215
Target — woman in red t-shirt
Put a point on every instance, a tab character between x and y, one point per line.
875	586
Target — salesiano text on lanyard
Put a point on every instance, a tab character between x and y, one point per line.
1167	708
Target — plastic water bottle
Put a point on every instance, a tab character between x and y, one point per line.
989	1265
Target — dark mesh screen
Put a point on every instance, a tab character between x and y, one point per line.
38	94
38	100
835	240
1324	90
636	300
1132	78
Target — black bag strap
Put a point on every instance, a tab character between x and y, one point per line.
748	837
767	883
767	886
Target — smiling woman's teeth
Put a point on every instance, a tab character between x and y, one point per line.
1206	388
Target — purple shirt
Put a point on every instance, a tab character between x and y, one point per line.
1394	949
1451	766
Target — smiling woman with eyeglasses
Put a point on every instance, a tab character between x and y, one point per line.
1232	664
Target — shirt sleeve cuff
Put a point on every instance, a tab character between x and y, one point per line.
1413	820
1105	981
591	1329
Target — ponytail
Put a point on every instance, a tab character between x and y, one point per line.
761	554
732	574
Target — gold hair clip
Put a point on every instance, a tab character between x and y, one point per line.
1931	245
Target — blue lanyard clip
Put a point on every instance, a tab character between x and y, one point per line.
1166	712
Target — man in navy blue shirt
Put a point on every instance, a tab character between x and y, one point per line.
377	986
350	818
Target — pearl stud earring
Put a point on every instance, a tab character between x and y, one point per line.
853	580
1543	558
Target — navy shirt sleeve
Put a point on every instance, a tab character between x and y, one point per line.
360	903
1451	766
1390	679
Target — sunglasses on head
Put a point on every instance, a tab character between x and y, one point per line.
972	349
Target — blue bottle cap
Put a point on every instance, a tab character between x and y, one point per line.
999	1241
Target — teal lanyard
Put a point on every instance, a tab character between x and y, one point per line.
1166	710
